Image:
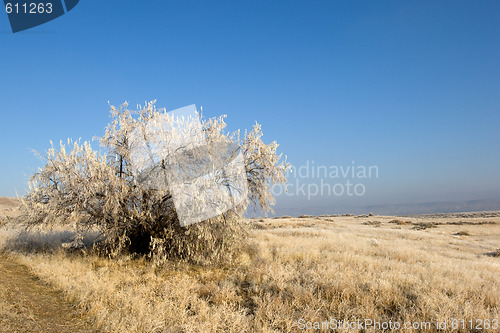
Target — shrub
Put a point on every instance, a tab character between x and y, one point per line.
398	222
91	189
424	225
495	253
372	223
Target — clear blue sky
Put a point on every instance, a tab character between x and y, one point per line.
412	87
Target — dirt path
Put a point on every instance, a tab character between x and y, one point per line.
27	304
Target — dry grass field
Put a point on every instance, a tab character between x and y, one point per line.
299	274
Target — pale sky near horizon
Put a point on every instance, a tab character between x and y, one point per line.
409	87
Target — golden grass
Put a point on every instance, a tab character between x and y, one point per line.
29	305
315	269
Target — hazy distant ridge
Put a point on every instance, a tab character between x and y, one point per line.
434	207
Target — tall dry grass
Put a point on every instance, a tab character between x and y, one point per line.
314	269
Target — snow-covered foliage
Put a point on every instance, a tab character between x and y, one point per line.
111	191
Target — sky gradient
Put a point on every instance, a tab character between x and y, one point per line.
410	87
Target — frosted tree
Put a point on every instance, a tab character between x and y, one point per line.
125	191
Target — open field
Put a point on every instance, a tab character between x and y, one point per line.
28	304
297	271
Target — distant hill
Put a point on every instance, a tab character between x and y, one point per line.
434	207
9	202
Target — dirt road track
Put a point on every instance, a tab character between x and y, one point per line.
27	304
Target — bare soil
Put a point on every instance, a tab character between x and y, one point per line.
27	304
